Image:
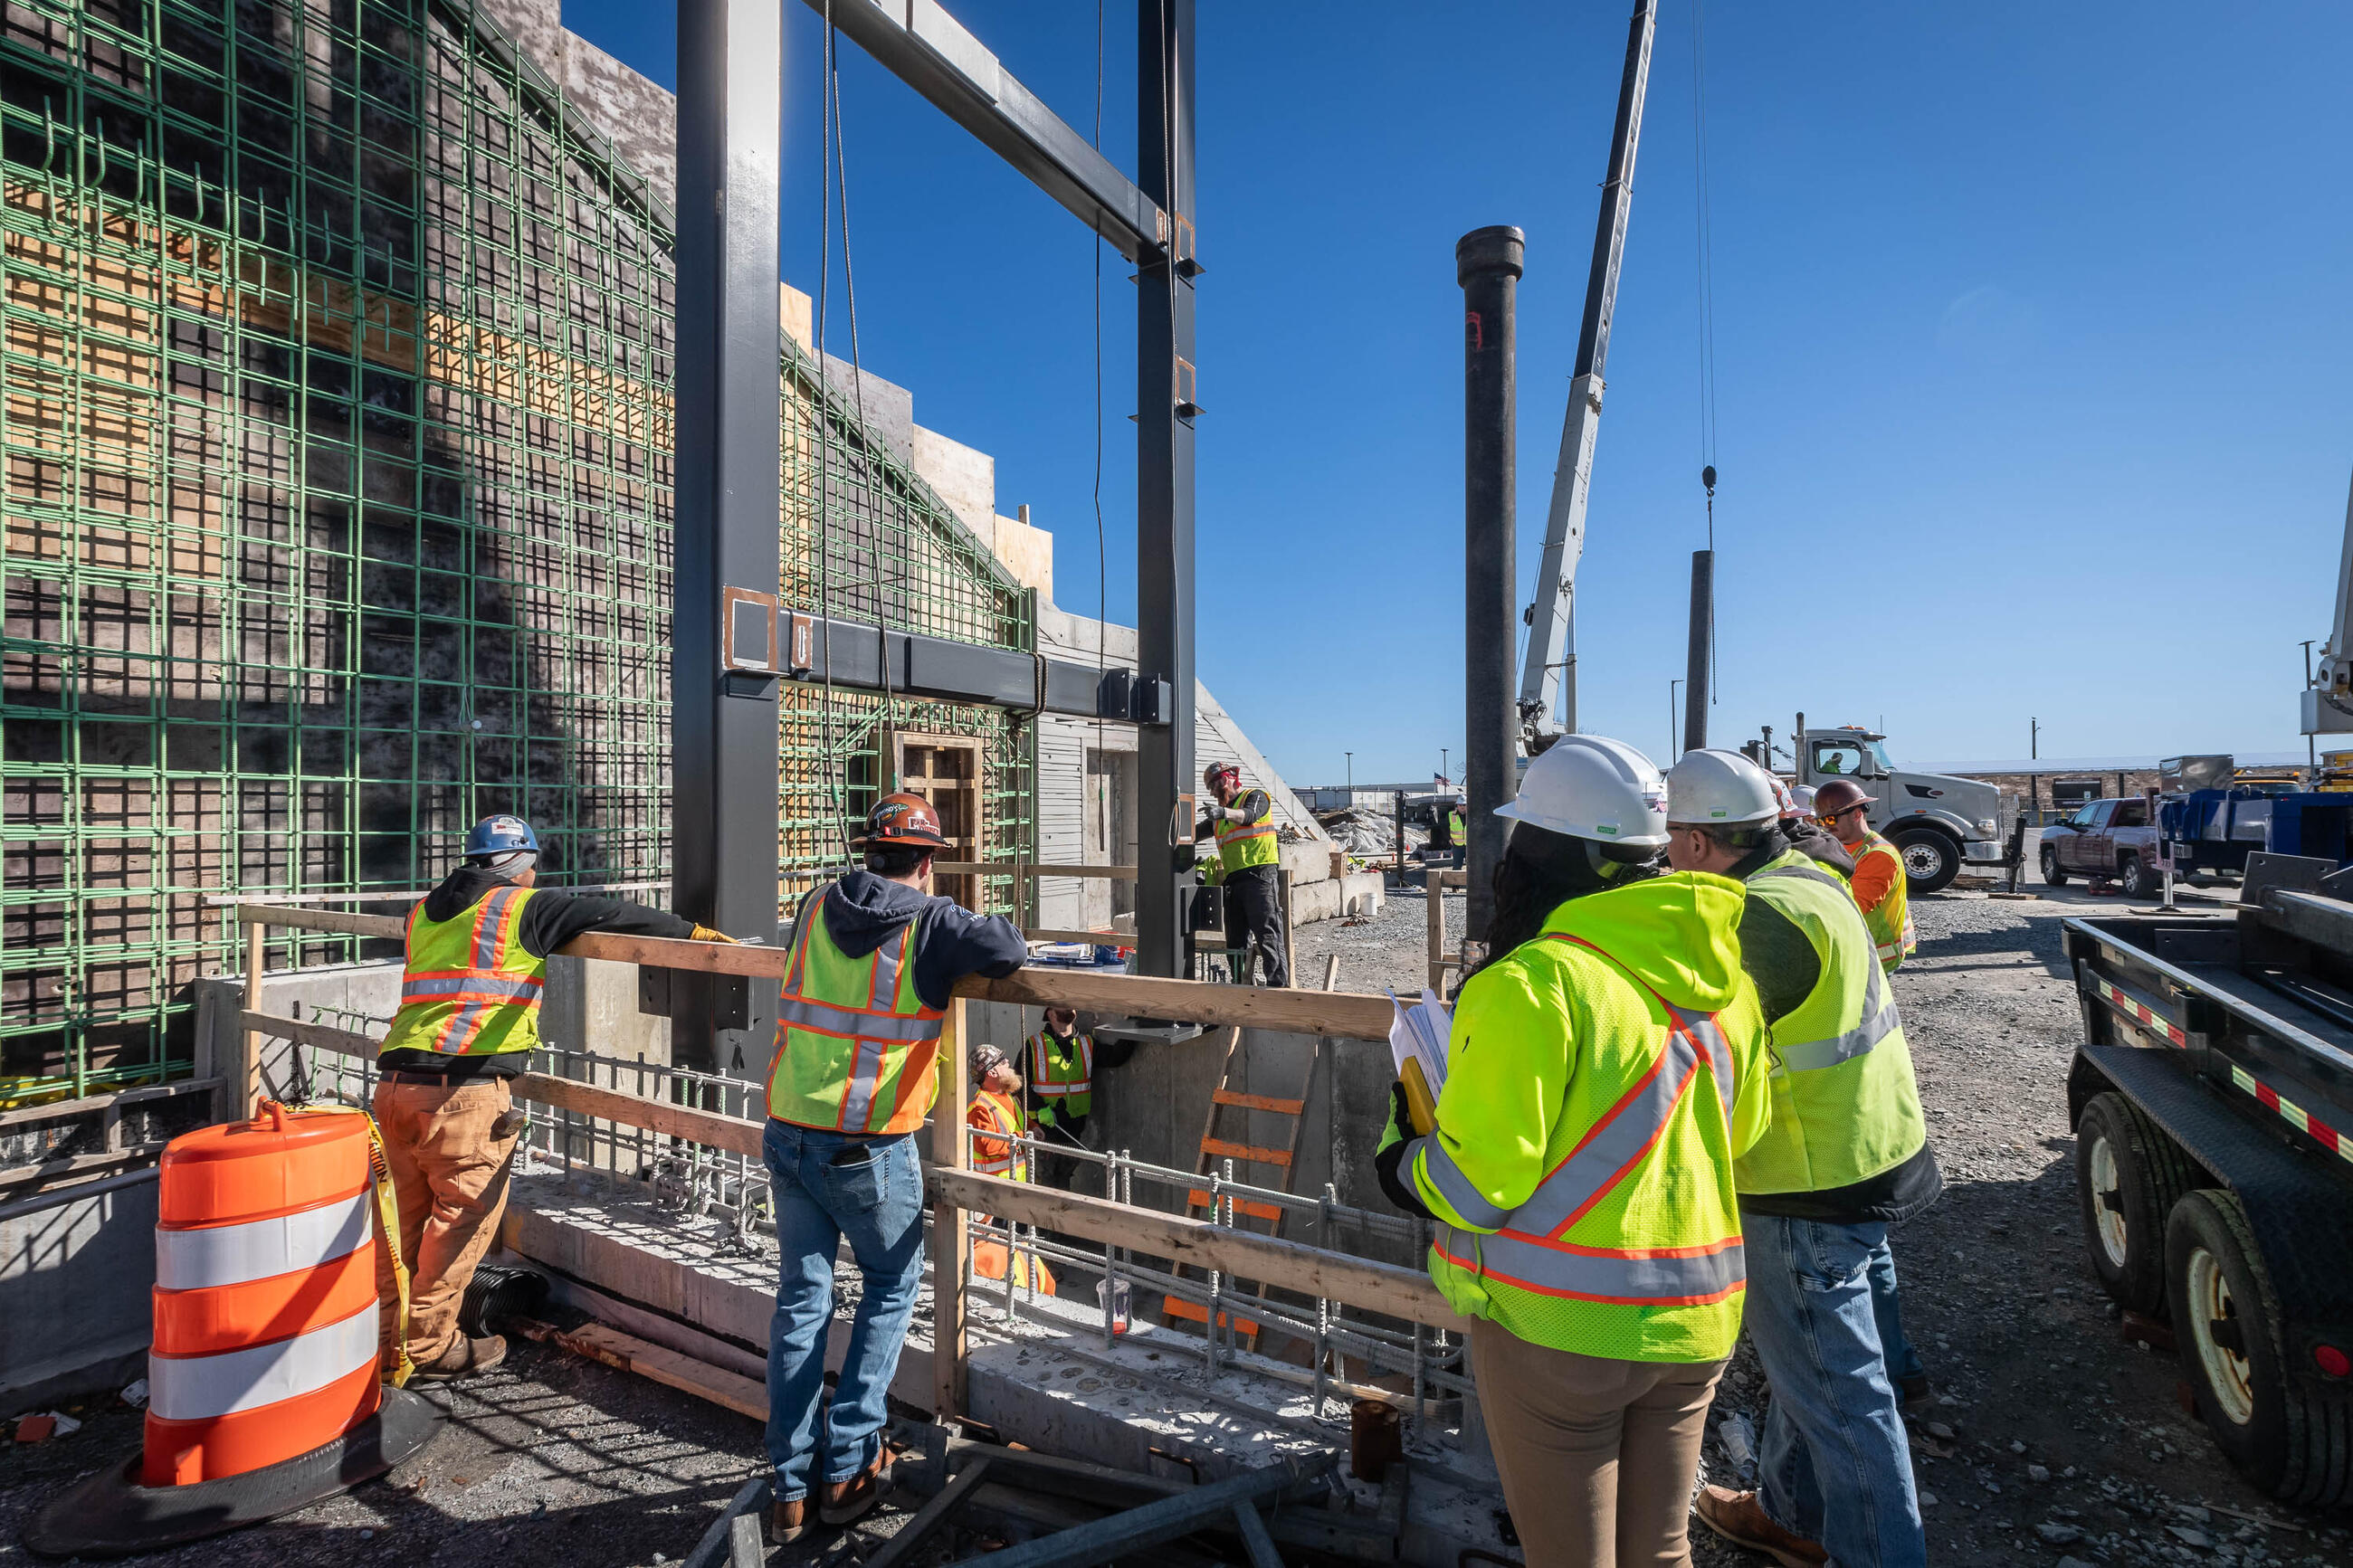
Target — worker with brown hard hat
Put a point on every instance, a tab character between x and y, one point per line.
1242	823
873	957
1806	836
1878	883
475	959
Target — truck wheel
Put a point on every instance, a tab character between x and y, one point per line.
1931	860
2052	875
2296	1447
2128	1176
2139	881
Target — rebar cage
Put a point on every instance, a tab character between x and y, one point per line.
335	402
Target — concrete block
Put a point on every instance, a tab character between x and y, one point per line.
1308	860
74	1283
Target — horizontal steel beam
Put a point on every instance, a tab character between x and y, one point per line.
918	42
854	654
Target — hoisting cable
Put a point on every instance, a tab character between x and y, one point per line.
1103	571
822	538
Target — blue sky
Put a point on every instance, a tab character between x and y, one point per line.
2031	334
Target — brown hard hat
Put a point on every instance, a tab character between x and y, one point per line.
1838	797
1209	774
901	819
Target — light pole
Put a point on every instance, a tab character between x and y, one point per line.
1352	775
2033	739
1674	744
1442	755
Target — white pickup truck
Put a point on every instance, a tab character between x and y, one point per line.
1938	822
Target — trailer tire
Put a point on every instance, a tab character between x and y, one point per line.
2128	1176
1931	859
2228	1332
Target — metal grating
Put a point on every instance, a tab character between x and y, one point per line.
334	403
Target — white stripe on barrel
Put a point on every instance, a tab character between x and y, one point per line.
260	1248
199	1387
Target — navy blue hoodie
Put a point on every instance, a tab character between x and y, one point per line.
863	910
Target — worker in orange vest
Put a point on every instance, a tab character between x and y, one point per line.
476	948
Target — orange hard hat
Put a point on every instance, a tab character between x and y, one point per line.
901	819
1838	797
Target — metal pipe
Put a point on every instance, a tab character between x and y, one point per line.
1487	265
1703	613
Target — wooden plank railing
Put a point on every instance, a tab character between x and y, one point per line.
955	1189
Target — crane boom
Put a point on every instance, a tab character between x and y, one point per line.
2328	703
1548	679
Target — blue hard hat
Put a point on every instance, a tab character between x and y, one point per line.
499	836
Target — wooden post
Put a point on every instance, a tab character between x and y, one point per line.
949	1151
248	1056
1433	880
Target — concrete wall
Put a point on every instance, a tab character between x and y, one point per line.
74	1279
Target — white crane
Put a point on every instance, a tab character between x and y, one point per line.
2329	702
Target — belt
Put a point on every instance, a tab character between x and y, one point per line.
402	1075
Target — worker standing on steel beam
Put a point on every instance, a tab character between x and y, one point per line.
1846	1155
1242	822
1605	1068
1878	884
477	949
874	958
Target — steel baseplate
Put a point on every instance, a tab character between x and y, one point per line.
110	1515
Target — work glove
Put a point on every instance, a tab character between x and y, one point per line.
704	933
1389	1160
1220	814
1045	1116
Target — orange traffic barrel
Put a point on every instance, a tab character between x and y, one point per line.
264	1393
266	1320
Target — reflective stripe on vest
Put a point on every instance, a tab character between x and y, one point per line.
1529	1248
1046	1062
492	989
1895	939
1880	1017
1244	844
873	1011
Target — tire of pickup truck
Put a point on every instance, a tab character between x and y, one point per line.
2128	1176
2138	881
2052	875
1931	860
2234	1350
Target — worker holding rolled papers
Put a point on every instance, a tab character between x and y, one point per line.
1604	1069
477	949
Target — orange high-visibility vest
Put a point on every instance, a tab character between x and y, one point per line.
993	1112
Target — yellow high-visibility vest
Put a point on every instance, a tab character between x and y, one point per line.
855	1043
1891	931
468	987
1245	844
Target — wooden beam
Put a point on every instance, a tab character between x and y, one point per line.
1335	1013
1352	1281
50	1110
318	1036
731	1133
248	1046
1023	869
342	922
1095	938
950	1153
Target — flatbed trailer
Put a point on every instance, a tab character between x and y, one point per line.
2212	1104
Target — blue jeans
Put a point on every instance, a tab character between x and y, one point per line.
829	1186
1834	1465
1887	1312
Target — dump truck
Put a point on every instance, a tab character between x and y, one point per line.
1937	823
2212	1103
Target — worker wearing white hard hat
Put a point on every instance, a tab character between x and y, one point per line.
1592	1229
1846	1155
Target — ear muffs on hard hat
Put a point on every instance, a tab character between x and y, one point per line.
902	819
1710	788
1589	786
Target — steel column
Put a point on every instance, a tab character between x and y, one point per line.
1702	625
1487	264
723	728
1164	409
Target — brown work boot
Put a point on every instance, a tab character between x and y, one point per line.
788	1521
463	1359
846	1502
1740	1518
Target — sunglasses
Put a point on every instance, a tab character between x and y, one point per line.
1831	820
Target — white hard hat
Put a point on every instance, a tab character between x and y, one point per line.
1710	788
1804	796
1589	786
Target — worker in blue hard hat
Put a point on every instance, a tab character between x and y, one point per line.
477	949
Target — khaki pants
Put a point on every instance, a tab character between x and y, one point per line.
1598	1456
448	1146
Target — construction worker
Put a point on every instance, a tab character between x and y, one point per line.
1242	822
995	1117
874	957
1846	1155
476	958
1061	1090
1805	835
1605	1068
1878	883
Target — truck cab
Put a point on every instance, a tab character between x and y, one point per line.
1936	822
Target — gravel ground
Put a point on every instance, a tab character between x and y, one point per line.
2052	1436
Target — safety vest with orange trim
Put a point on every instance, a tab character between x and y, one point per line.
1250	842
991	1112
855	1042
1601	1080
470	988
1062	1071
1892	934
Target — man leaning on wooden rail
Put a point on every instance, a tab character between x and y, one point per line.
873	959
476	949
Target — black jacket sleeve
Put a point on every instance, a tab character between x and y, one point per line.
1778	958
551	918
956	942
